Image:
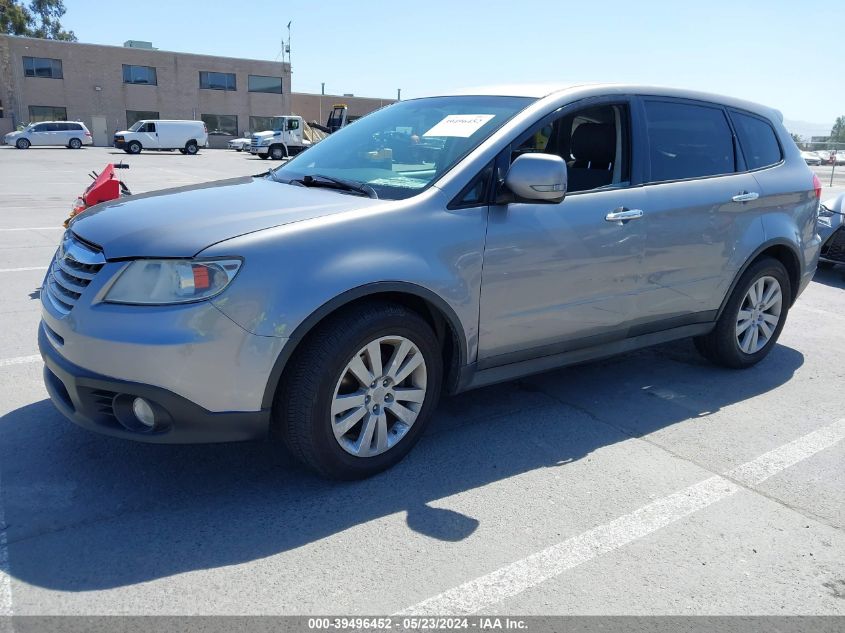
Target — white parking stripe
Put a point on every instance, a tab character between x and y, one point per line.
36	228
19	270
5	583
516	577
20	360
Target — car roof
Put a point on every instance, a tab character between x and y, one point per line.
583	90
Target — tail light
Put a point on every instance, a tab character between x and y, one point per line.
87	133
817	187
204	128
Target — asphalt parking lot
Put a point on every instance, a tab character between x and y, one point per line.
652	483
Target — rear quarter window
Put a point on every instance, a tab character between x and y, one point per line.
757	139
688	141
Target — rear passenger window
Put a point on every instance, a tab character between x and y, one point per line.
758	141
688	141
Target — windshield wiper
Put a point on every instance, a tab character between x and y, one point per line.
319	180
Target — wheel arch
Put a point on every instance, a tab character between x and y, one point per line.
439	314
780	249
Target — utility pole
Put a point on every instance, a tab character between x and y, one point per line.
399	94
322	94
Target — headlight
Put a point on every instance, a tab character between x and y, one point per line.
266	141
164	281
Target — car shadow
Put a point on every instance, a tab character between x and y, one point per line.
832	276
86	512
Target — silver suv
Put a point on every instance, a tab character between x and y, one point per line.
439	244
71	134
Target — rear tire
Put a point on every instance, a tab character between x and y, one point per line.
395	407
22	143
752	319
191	148
133	148
74	143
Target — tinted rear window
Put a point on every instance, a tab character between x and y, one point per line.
688	141
758	141
74	126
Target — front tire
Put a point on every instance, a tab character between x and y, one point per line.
264	156
360	392
133	148
22	143
278	152
752	319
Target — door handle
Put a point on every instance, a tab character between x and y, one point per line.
623	215
746	196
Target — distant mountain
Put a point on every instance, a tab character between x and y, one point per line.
806	129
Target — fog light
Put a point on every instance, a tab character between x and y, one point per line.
144	412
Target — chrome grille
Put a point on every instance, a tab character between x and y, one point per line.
75	265
253	142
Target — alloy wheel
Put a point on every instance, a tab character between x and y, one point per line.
759	314
378	396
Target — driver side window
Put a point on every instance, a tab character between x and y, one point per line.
594	142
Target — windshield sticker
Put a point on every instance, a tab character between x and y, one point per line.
461	125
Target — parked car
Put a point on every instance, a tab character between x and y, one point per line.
239	144
825	156
186	136
811	158
71	134
831	229
840	157
330	301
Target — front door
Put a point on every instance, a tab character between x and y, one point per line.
561	276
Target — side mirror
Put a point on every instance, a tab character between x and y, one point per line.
540	177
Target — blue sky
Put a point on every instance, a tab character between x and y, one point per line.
772	52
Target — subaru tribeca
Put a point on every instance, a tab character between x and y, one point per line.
439	244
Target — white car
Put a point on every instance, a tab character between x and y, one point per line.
811	158
70	134
186	136
239	144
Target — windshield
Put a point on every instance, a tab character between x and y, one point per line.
136	126
400	150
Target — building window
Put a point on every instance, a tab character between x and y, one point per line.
1	109
217	81
42	67
261	83
260	123
221	124
133	116
47	113
145	75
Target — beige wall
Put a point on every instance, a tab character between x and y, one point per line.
177	95
313	107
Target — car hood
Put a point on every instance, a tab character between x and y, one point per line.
182	222
13	134
266	134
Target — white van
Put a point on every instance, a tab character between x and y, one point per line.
72	134
186	136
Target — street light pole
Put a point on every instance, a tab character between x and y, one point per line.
399	94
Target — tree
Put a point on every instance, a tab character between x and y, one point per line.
799	140
837	132
41	18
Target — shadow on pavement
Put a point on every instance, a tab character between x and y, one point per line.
87	512
833	276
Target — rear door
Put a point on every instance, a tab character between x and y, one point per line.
700	201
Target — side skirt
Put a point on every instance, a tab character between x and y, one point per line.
471	377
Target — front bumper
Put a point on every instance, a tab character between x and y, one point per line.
119	143
260	149
103	404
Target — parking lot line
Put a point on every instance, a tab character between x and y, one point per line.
19	360
36	228
20	270
514	578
